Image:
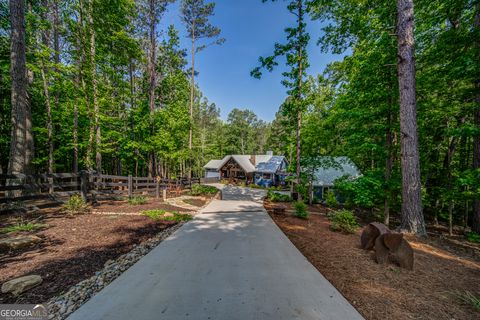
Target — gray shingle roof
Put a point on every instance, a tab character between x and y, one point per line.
332	168
213	164
272	165
264	163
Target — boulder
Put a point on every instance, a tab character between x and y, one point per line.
393	247
371	233
22	284
18	242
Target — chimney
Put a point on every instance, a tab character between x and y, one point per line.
253	160
270	153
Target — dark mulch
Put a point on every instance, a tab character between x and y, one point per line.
122	206
380	292
73	249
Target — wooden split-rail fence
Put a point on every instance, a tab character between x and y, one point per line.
43	190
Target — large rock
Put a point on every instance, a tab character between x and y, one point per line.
19	242
22	284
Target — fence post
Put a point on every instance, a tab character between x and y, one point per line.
130	186
84	185
157	188
50	184
164	194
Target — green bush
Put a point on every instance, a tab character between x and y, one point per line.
367	191
343	220
473	237
137	200
23	227
300	210
278	197
203	190
331	199
162	215
75	205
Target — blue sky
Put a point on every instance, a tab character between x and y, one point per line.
251	28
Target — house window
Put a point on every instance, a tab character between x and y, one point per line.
267	176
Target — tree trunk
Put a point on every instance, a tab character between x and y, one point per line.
19	162
388	169
412	213
153	79
476	121
75	137
299	94
93	70
49	119
192	98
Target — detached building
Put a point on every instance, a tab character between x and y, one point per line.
329	170
264	170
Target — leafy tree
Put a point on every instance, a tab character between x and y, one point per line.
195	16
243	127
295	52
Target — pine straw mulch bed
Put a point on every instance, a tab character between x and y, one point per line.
73	249
430	291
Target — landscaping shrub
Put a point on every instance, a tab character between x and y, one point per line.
343	220
300	210
278	197
331	199
29	226
75	205
137	200
163	215
203	190
473	237
367	191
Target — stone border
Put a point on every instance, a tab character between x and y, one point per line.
192	213
60	307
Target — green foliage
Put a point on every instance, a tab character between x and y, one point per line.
137	200
301	210
278	197
366	191
163	215
343	220
28	227
75	205
331	199
469	298
473	237
203	190
246	133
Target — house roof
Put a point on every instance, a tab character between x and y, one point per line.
244	162
271	165
213	164
333	168
264	163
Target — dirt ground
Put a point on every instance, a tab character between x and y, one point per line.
196	202
122	206
442	272
73	249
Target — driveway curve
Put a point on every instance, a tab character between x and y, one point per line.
230	262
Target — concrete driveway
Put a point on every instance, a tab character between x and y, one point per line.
230	262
